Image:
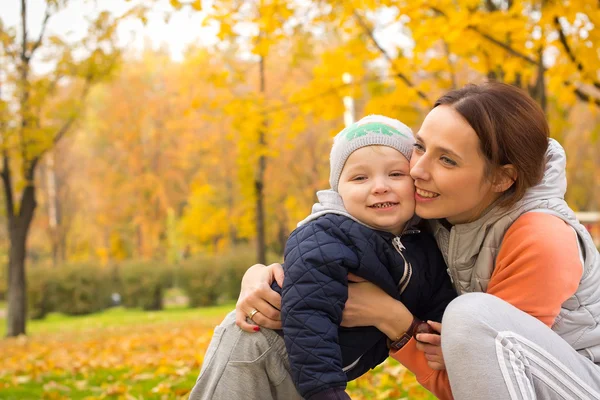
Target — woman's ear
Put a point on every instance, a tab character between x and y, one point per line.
504	178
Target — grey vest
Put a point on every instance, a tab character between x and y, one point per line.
471	249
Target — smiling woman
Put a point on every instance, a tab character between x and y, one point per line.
445	168
511	136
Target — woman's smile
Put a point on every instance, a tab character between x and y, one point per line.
425	195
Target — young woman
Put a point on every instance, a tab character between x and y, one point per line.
492	184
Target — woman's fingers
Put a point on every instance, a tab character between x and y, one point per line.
256	294
431	345
436	326
266	315
271	297
240	320
277	273
428	348
437	366
265	322
430	338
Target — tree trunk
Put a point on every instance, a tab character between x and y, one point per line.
18	228
261	255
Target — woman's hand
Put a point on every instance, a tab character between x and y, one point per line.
431	345
256	294
369	305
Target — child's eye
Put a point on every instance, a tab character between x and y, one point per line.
448	161
419	147
397	174
359	178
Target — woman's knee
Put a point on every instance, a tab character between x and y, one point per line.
465	318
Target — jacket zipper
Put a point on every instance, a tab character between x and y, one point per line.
407	274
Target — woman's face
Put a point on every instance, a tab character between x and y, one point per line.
449	169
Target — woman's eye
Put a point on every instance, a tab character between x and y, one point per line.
419	147
448	161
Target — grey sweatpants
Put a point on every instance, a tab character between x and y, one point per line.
240	365
493	350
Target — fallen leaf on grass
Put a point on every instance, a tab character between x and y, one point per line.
53	385
162	388
142	377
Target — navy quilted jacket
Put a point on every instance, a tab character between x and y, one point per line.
318	256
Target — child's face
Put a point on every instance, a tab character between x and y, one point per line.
377	188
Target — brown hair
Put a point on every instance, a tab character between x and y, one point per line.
511	127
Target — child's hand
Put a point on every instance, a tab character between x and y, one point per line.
431	345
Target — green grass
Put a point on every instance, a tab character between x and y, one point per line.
116	318
102	383
167	370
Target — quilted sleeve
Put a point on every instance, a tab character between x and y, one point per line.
315	290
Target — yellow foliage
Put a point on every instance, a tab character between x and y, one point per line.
190	136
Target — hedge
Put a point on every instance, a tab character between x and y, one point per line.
77	289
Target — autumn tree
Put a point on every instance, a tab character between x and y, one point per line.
37	116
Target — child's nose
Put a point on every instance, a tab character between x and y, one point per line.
380	186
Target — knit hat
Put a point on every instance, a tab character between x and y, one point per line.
373	130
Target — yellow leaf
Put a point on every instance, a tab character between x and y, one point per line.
197	5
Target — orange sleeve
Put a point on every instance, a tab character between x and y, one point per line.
538	266
414	360
537	269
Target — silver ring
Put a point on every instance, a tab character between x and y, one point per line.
252	313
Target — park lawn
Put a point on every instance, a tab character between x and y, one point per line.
132	354
118	317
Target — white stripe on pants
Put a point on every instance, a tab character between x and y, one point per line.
493	350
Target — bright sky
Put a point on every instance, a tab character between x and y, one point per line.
183	28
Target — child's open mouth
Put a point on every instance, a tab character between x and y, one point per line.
383	205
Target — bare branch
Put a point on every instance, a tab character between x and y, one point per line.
24	56
492	39
38	42
450	65
330	91
399	75
568	50
490	6
7	183
504	46
581	95
65	128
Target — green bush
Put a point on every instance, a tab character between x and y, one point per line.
142	284
75	289
38	293
200	280
208	280
86	288
81	289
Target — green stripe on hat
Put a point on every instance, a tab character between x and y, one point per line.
373	128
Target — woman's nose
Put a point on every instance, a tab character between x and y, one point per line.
419	168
